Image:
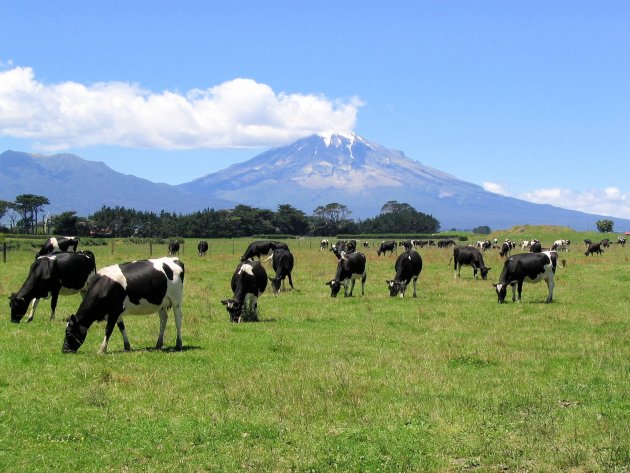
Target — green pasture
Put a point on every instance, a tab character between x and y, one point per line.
448	382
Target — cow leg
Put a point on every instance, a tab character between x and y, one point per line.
475	272
33	306
163	319
457	273
290	281
415	281
520	290
123	332
178	325
550	285
351	288
112	320
363	279
514	292
53	304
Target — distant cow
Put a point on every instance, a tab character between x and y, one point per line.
527	267
561	245
282	263
594	248
408	267
536	247
137	288
506	247
261	248
605	243
621	241
483	245
248	282
366	244
444	243
469	256
385	246
349	268
587	241
173	248
51	275
323	244
202	248
56	245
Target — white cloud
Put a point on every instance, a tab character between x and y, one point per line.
608	201
237	113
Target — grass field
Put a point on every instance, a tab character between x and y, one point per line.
448	382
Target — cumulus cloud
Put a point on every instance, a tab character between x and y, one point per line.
234	114
608	201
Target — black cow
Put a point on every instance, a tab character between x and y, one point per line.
535	247
594	248
350	267
389	245
262	247
469	256
51	275
344	247
366	244
138	288
408	266
605	243
527	267
506	247
202	248
173	248
248	282
406	244
444	243
283	265
56	245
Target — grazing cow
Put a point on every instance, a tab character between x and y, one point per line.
605	243
483	245
389	245
350	267
366	244
173	248
51	275
56	245
408	266
594	248
407	245
138	288
535	247
621	241
262	248
561	245
248	282
527	267
495	241
202	248
444	243
418	243
323	244
283	265
506	247
343	246
526	244
587	241
469	256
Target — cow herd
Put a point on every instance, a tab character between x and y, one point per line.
155	285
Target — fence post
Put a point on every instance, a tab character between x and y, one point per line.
112	247
150	248
4	252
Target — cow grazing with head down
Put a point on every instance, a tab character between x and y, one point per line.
594	248
408	267
248	282
262	248
282	262
350	267
173	248
527	267
469	256
506	248
561	245
138	288
444	243
621	241
605	243
56	245
202	248
51	275
385	246
323	244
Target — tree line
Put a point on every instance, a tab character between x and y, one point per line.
241	221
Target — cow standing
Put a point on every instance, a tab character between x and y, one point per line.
202	248
282	263
594	248
248	282
385	246
173	248
469	256
527	267
323	244
349	268
56	245
621	241
408	267
561	245
138	288
506	247
261	248
51	275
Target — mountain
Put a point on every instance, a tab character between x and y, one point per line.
73	183
363	175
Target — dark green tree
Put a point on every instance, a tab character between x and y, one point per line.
605	225
29	206
330	218
482	230
290	221
66	223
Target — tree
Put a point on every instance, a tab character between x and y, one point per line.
66	223
5	206
605	225
330	218
482	230
28	206
398	217
290	221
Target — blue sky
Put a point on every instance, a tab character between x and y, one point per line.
529	99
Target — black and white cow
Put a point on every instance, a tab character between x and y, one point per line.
444	243
248	282
621	241
594	248
506	248
202	248
561	245
282	263
385	246
173	248
535	247
527	267
56	245
62	273
408	267
469	256
366	244
483	245
262	248
137	288
350	267
323	244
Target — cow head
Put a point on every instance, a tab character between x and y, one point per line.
335	286
501	290
234	308
484	273
18	307
395	288
275	284
75	336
